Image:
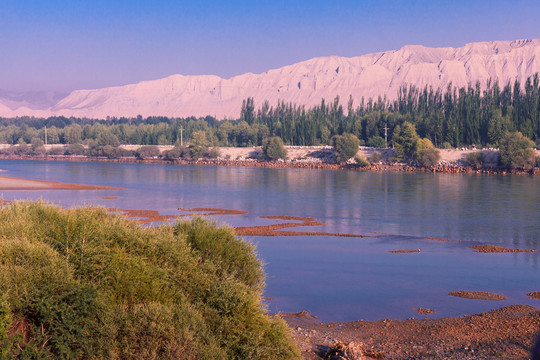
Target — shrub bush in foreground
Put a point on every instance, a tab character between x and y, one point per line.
85	284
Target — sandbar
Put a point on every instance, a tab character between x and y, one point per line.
424	311
276	229
11	184
478	295
149	216
404	251
497	249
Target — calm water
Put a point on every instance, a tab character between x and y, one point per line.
341	278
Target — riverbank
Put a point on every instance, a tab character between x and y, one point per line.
304	157
505	333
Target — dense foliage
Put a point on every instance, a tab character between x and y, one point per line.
83	284
409	146
516	151
345	146
447	117
273	149
476	160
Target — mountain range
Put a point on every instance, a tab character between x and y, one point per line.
305	83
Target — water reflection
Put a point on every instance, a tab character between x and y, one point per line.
343	278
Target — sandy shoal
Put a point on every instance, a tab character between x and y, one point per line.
11	183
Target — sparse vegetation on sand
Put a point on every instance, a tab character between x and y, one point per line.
85	284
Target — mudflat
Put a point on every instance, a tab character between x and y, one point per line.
505	333
11	183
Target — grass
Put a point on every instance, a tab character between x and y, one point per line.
84	284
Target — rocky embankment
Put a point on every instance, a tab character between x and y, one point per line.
303	157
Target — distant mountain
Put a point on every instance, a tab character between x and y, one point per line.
34	100
304	83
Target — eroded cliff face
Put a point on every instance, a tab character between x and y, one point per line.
305	83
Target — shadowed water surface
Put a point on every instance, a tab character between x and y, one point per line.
334	277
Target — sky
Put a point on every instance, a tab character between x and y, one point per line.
63	45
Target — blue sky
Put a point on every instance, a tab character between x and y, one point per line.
63	45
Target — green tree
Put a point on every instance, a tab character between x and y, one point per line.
53	137
517	151
345	146
376	141
273	148
107	138
405	140
495	128
38	147
73	134
247	113
199	144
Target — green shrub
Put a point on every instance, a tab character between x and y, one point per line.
361	161
476	159
376	157
22	148
212	153
38	147
109	151
273	148
5	324
516	151
82	283
174	153
345	146
56	151
425	153
75	149
376	142
411	147
147	152
446	145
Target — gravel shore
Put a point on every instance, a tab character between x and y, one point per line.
505	333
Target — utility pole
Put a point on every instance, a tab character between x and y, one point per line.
181	136
385	136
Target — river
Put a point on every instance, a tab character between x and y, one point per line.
343	278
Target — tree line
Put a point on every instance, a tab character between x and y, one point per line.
450	118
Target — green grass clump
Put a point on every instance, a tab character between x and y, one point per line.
84	284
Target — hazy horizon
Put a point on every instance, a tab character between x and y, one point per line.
66	45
